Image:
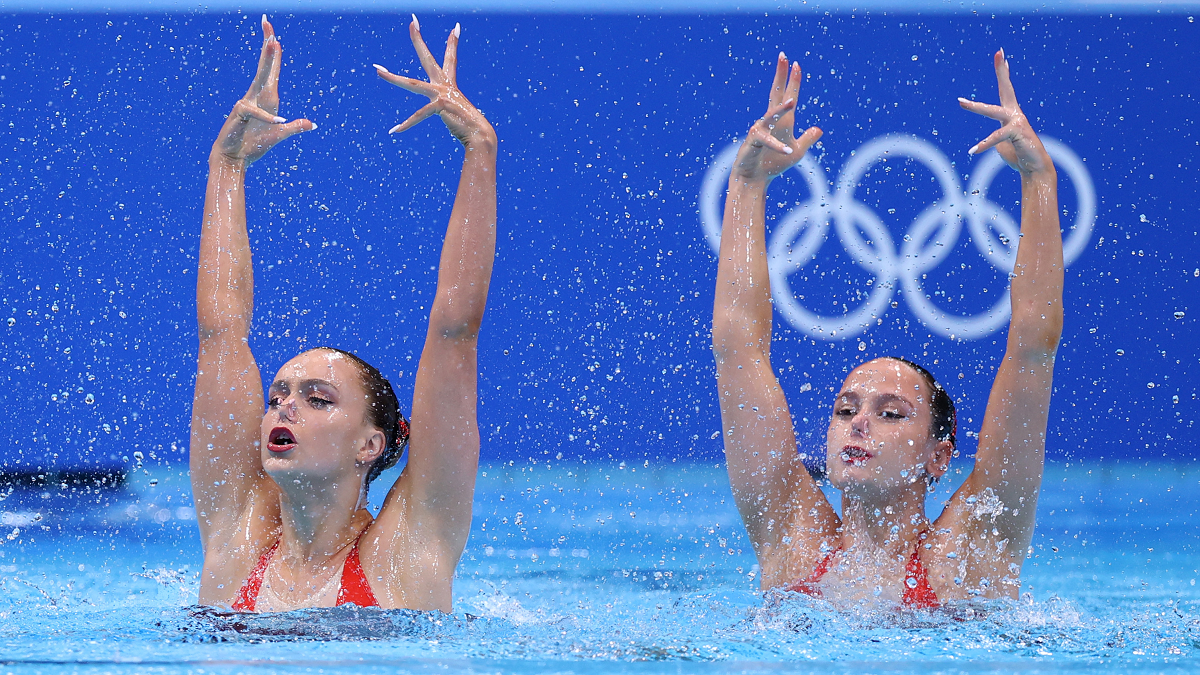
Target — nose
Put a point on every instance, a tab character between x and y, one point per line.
287	409
858	424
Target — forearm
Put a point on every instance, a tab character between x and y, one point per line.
469	249
225	282
1037	282
742	306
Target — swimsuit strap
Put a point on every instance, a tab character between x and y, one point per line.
247	595
809	586
355	589
917	591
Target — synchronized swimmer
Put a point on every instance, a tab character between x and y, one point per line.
893	428
280	495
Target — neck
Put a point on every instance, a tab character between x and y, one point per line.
319	520
866	520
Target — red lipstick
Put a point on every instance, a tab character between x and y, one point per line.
855	455
281	440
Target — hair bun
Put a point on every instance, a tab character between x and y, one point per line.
402	432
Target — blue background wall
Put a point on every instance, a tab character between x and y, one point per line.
596	338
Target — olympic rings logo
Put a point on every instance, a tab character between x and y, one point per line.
930	238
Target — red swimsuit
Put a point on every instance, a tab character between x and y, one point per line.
354	589
917	591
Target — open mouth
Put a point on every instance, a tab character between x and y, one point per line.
280	440
854	455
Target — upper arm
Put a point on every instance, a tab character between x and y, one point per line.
225	463
436	491
1003	486
786	514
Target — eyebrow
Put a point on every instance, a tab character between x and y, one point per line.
894	397
305	384
881	398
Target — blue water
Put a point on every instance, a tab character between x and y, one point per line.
605	568
602	288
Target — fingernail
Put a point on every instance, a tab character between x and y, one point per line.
457	30
278	120
1003	56
416	23
782	56
314	126
787	151
394	129
962	100
264	19
973	150
380	68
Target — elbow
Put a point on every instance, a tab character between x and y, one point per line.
727	327
735	342
456	329
1036	338
214	331
723	337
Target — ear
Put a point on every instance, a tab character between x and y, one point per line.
939	460
372	447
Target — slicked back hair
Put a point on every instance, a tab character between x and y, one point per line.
945	417
383	412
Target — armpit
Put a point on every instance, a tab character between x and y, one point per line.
985	505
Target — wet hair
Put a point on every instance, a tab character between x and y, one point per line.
383	412
945	418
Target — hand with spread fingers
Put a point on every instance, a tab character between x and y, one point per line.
467	124
253	126
771	147
1015	140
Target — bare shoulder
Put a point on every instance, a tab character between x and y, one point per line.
970	553
236	543
406	565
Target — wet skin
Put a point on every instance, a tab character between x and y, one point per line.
880	450
318	403
296	474
879	433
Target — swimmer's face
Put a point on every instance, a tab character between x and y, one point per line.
315	429
880	436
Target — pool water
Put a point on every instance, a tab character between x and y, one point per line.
605	568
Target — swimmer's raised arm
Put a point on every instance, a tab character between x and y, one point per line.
436	490
786	514
1012	441
226	468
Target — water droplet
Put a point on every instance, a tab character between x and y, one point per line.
910	582
914	57
89	399
1178	315
1120	352
12	321
862	346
